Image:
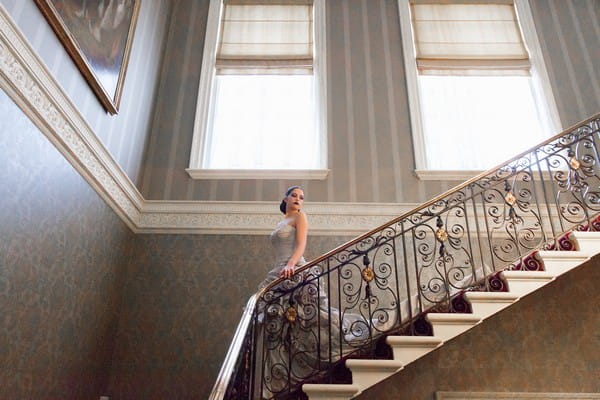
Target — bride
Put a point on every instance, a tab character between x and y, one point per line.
299	334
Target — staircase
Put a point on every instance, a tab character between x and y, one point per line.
362	312
406	349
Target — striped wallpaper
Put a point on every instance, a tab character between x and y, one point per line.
124	134
370	143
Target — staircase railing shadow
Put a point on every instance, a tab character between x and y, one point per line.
344	302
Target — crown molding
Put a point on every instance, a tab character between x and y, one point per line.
25	78
258	218
29	83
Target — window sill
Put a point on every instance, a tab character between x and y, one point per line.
317	174
441	175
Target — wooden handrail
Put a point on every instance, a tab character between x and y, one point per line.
428	203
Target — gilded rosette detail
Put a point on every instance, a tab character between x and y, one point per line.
291	314
368	274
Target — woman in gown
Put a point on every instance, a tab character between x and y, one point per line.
295	339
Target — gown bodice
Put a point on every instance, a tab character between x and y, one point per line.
283	239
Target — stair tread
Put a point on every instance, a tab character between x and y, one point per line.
564	254
527	275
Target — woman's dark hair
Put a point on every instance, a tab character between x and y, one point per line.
283	205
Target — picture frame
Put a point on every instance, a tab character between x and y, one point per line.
98	35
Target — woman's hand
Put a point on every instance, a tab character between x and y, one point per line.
287	271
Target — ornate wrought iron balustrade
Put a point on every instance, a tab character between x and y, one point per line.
384	281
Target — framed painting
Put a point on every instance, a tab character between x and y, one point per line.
97	35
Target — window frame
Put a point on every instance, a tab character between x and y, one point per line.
542	88
206	98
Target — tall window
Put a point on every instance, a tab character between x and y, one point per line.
478	98
262	111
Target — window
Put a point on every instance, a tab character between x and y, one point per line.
478	89
262	90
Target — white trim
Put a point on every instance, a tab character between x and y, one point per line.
259	218
320	71
541	81
29	83
319	174
538	67
437	175
205	86
410	69
206	93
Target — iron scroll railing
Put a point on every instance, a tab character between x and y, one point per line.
340	304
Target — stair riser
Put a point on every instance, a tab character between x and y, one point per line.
330	392
485	309
587	244
366	379
409	354
448	331
524	287
559	267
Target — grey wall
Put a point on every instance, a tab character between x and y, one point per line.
184	297
125	134
63	252
368	104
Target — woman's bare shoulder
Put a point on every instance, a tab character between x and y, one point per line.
300	218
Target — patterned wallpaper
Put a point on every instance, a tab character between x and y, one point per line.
185	294
368	105
184	297
125	134
62	257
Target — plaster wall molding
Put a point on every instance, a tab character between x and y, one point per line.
25	78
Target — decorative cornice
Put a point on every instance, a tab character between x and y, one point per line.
260	217
25	78
28	82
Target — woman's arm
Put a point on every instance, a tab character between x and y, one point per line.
301	224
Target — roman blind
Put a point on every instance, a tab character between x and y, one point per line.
265	37
465	37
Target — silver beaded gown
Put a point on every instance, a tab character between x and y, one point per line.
294	332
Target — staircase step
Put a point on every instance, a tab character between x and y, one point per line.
448	325
559	262
318	391
407	349
522	283
366	373
485	304
588	242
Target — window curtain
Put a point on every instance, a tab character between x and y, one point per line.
470	38
265	38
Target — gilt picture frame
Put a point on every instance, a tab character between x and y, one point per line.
98	35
